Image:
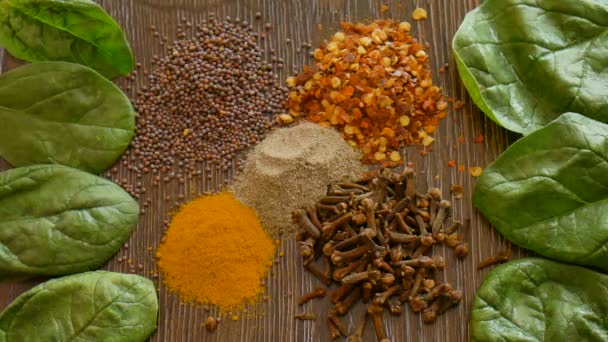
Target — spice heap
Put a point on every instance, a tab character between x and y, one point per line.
211	97
374	237
292	168
215	252
374	82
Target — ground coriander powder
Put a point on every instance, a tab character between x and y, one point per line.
291	169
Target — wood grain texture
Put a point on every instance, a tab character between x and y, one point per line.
298	20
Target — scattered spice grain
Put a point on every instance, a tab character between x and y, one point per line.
215	252
374	83
290	169
476	171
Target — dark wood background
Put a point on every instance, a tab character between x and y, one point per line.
299	21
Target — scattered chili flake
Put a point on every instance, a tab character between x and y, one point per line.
459	105
419	14
475	171
461	139
479	139
457	191
384	8
461	168
373	82
451	163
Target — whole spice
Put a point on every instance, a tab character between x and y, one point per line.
210	324
502	256
211	97
291	169
378	247
374	83
215	252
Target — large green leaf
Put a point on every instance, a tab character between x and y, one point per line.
534	300
64	113
524	62
548	192
58	220
78	31
92	306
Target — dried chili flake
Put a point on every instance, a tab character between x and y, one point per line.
459	105
457	191
461	168
478	139
451	163
373	82
475	171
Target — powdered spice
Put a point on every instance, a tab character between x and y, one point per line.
216	252
290	169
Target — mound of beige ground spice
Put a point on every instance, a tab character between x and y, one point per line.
291	169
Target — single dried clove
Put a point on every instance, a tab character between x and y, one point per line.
349	185
330	228
340	292
419	303
303	221
210	324
402	225
396	253
423	261
348	242
314	217
452	228
420	274
401	238
375	311
394	306
502	256
383	296
306	247
328	248
334	332
319	292
306	316
335	199
342	272
357	335
410	185
361	276
462	250
313	268
442	213
339	257
337	322
343	306
367	291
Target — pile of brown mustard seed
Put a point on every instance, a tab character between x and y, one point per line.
211	97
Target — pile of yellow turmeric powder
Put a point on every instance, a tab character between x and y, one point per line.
216	252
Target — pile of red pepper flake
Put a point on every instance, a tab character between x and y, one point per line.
373	82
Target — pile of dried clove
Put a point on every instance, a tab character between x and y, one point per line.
374	237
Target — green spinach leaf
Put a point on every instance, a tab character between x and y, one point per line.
92	306
78	31
64	113
536	300
548	192
524	62
57	220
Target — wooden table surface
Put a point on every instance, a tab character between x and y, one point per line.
299	21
